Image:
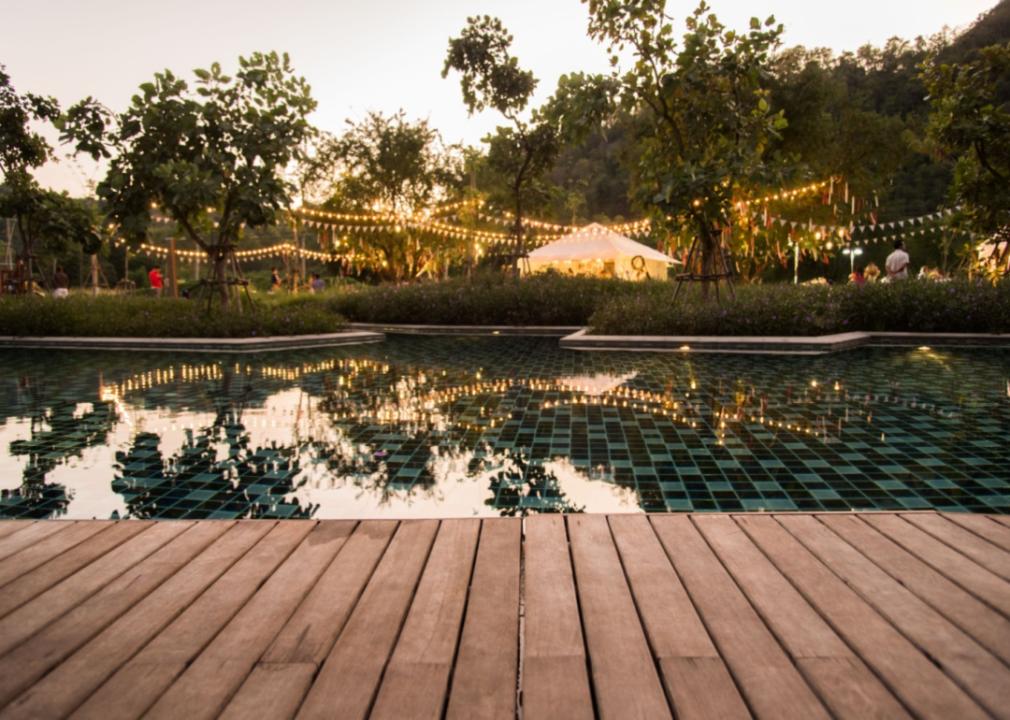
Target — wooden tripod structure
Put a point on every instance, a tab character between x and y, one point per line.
694	270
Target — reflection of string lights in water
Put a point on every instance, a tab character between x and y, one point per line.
417	402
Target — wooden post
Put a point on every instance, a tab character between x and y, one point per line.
173	270
299	239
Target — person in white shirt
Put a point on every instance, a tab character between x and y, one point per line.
897	262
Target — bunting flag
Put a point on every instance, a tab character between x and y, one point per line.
932	219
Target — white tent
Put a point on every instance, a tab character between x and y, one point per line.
597	250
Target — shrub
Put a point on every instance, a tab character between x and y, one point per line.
908	306
134	316
489	299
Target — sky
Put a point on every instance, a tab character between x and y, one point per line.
372	54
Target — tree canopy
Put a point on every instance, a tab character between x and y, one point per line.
708	102
971	123
212	156
490	77
40	216
389	165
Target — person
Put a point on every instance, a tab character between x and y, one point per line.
275	280
318	284
858	276
897	262
157	282
871	272
61	283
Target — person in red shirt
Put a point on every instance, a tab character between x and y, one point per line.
157	283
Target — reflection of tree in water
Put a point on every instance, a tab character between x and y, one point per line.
57	433
197	483
520	487
395	417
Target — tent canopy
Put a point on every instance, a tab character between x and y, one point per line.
596	242
598	251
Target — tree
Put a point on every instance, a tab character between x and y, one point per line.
318	168
39	215
970	121
50	219
593	139
491	78
212	157
398	168
711	121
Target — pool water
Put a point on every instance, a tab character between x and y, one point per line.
449	427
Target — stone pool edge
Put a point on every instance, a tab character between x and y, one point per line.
227	345
777	345
469	330
573	337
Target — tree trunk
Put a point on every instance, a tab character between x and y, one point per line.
94	274
220	279
517	230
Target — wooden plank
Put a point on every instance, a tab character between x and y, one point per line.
272	691
697	681
9	527
37	581
625	681
989	556
555	680
769	681
1001	519
949	562
968	663
69	684
350	676
984	527
28	619
842	681
310	633
487	663
139	683
417	678
985	625
36	532
31	557
918	683
29	661
281	679
209	682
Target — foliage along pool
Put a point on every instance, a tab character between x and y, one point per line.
419	427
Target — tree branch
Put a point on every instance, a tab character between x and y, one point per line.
180	218
983	159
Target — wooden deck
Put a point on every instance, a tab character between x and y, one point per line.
626	616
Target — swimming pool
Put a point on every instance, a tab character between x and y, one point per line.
420	427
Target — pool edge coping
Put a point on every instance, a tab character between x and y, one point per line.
268	343
469	330
778	345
